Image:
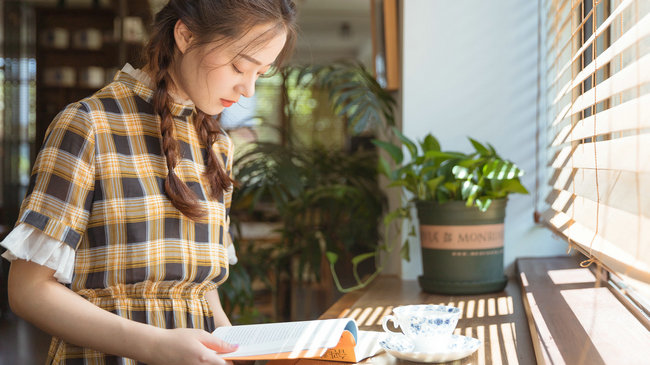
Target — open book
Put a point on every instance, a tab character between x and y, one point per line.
328	339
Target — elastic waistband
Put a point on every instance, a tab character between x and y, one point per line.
151	290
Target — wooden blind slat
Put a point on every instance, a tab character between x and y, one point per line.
634	75
619	9
616	189
631	258
626	153
638	31
628	116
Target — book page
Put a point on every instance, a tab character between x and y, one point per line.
269	338
368	344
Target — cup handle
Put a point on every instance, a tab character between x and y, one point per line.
384	323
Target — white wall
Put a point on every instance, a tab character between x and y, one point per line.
470	69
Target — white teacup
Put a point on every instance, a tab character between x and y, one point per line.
428	326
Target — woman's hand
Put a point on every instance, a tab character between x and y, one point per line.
188	346
35	295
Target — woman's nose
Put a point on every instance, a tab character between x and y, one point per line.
247	88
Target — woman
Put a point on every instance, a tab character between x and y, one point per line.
129	198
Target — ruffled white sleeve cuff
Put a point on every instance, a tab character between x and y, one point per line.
232	255
28	243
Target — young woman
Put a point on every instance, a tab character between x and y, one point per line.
121	242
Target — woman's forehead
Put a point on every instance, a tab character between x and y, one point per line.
260	45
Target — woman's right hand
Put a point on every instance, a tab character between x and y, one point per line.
188	346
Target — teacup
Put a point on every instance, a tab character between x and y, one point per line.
426	325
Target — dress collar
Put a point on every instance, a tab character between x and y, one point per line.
129	78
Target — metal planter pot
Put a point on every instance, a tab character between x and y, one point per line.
462	247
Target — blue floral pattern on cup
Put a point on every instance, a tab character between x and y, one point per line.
424	321
396	343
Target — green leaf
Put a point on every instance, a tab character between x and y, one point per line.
410	145
483	203
444	155
397	213
332	257
513	186
469	189
347	97
471	163
353	116
482	150
404	251
384	168
362	123
430	143
501	170
452	187
394	151
494	152
433	184
398	183
442	195
461	172
428	172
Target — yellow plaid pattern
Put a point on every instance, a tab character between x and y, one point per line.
97	185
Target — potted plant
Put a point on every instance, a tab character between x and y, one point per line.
326	199
460	200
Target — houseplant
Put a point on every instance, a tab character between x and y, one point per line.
449	189
326	199
460	200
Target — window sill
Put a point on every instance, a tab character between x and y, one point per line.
575	320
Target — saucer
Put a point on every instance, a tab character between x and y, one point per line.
401	347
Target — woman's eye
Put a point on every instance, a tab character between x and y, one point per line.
236	69
263	73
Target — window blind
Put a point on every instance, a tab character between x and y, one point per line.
597	120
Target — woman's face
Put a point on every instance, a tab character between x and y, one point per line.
215	78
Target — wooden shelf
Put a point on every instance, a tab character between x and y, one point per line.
51	99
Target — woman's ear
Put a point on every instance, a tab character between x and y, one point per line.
182	36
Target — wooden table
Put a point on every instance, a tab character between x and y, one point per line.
497	319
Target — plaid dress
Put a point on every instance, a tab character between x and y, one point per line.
97	186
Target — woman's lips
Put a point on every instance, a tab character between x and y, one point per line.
226	103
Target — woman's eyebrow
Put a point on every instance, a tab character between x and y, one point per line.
251	59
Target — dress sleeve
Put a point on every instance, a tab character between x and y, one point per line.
27	243
232	254
60	193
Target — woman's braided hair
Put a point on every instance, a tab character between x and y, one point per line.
211	22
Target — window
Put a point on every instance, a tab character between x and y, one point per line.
597	69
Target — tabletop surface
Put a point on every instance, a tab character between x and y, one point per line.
497	319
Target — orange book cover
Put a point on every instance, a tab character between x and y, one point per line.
331	339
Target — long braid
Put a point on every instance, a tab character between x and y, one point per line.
179	193
161	53
209	130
